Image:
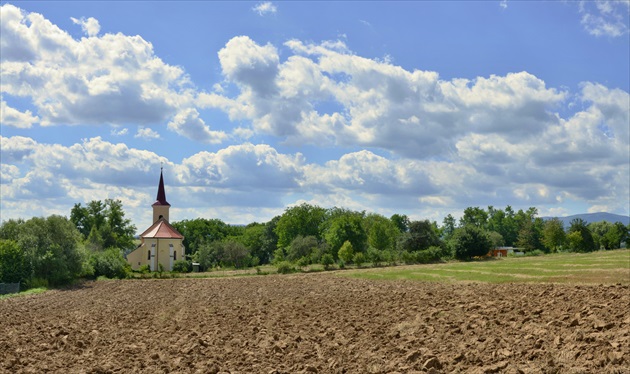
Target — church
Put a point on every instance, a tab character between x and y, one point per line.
161	243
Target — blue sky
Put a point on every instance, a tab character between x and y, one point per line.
422	108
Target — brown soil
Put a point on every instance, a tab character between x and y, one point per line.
316	323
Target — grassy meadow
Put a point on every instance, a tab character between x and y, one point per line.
601	267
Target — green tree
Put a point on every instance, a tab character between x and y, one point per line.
235	254
346	252
401	221
14	264
200	231
53	248
580	237
448	227
553	235
470	241
300	247
302	220
103	224
253	239
474	216
496	239
381	232
347	226
608	235
421	235
110	263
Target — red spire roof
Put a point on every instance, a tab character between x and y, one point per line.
161	195
161	229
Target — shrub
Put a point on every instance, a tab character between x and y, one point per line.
346	252
144	269
285	267
359	259
408	257
470	241
182	266
14	267
110	263
278	256
342	264
327	260
301	246
375	256
303	262
535	252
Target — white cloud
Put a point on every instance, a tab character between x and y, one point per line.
605	18
146	133
114	79
265	8
13	117
373	102
121	132
503	4
188	123
90	26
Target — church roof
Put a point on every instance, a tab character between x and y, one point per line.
161	194
161	229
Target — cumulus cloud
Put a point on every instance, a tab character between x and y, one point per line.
323	94
111	79
120	132
146	133
188	123
265	8
13	117
605	18
90	26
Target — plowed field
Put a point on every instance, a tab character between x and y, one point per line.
316	323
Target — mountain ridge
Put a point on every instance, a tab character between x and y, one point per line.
593	217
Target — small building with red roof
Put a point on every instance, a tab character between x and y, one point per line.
161	243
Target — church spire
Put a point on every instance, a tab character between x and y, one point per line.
161	194
160	206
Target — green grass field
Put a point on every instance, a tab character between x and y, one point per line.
602	267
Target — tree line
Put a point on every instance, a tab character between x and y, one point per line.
308	234
95	238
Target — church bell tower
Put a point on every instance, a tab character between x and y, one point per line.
160	206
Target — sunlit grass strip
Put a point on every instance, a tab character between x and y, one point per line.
32	291
606	267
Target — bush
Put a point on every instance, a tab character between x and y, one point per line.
303	262
327	260
278	256
144	269
110	263
536	252
14	267
358	259
346	252
182	266
285	267
375	256
470	241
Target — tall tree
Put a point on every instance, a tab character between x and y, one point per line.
448	227
470	241
401	221
474	216
421	235
103	224
381	232
302	220
554	236
580	237
346	227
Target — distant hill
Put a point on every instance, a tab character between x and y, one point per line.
593	217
